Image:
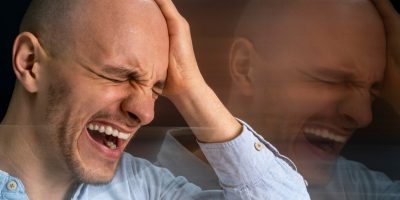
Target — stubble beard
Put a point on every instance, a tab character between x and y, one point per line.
64	133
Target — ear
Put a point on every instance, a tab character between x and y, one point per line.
26	58
240	65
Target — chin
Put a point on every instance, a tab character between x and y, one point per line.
91	171
97	180
95	175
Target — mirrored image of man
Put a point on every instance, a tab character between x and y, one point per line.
305	73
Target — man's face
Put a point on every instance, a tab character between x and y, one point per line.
102	88
314	85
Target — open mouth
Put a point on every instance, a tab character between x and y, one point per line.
325	140
107	135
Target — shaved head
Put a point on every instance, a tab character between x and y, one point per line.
49	20
57	23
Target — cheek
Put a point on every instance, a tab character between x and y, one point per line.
96	95
289	100
311	98
291	105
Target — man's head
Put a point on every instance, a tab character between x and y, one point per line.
308	71
90	71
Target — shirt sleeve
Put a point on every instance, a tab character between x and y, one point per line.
249	167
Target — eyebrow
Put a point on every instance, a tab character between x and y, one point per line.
346	74
122	71
337	72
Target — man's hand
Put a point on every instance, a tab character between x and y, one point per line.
391	20
186	88
183	72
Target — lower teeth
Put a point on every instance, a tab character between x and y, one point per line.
111	145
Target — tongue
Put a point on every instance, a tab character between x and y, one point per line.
327	147
98	137
102	138
322	143
109	138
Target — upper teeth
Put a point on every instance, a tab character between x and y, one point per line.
108	130
324	133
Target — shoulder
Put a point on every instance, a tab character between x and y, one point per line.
135	178
356	172
141	170
138	167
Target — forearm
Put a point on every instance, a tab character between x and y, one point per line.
248	167
202	110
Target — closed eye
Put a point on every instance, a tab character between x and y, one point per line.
121	74
333	82
112	79
325	80
156	93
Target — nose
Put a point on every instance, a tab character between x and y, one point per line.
356	109
139	106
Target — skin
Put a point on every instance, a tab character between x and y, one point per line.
60	92
74	88
391	84
314	69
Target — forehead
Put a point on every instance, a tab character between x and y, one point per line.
123	33
330	34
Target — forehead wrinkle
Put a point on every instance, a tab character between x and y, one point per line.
159	84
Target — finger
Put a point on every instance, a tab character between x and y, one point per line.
391	19
386	10
169	11
168	8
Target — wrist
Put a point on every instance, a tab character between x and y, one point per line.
204	112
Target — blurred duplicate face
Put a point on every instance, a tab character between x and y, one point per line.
316	71
101	88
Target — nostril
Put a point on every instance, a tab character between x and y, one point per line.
350	122
134	117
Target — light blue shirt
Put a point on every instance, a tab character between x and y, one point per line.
350	180
354	181
247	167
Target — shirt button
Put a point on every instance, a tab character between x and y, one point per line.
12	185
258	146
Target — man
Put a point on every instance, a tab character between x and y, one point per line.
305	73
309	75
88	75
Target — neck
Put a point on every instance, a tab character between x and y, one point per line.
26	157
38	171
